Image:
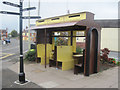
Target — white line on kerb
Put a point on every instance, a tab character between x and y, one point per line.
25	51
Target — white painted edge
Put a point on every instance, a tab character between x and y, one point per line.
18	83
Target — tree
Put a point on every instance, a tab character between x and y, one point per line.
14	33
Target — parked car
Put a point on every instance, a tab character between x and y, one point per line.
7	40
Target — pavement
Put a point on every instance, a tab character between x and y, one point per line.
12	78
55	78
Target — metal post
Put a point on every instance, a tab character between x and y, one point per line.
21	74
71	38
39	8
45	48
29	25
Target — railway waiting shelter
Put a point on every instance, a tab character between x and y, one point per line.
64	56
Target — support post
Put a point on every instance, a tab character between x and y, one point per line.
45	48
71	38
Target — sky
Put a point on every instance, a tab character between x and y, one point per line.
103	9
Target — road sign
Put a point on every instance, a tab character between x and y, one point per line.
31	17
11	4
31	8
13	13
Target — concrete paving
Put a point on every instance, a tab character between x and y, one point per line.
53	78
9	80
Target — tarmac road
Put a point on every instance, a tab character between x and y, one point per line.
13	48
10	52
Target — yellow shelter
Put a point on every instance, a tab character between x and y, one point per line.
61	56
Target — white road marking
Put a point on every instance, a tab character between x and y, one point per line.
17	82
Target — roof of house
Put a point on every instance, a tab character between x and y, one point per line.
109	23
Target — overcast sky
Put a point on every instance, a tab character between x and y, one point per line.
103	9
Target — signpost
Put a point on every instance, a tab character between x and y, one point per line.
13	13
11	4
21	74
31	17
31	8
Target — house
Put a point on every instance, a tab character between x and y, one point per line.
32	35
3	34
109	34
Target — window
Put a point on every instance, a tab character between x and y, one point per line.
61	39
41	21
55	19
74	16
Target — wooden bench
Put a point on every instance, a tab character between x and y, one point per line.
79	67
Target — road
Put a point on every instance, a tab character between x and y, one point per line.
9	55
12	49
10	52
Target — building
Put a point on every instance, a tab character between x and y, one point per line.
109	34
32	35
3	34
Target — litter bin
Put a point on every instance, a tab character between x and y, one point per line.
33	46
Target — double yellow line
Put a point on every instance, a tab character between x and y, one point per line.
5	55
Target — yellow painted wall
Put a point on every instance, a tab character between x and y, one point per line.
61	19
74	41
69	38
64	55
41	52
109	38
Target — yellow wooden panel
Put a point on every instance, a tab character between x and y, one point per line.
56	20
69	38
41	22
41	52
77	18
64	53
74	41
68	65
60	19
